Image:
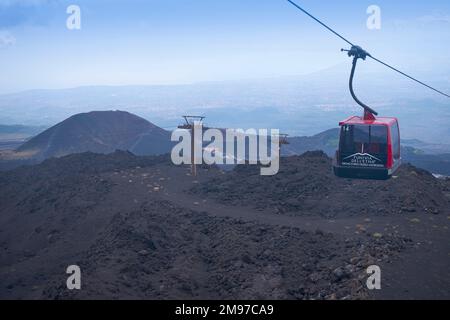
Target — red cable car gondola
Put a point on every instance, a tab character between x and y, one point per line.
369	146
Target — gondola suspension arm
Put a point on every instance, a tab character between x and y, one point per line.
358	53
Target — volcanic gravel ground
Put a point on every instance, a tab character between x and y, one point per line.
137	230
162	251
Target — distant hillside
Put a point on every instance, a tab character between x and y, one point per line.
107	131
99	132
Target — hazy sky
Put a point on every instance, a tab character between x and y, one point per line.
183	41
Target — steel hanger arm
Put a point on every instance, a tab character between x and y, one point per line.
358	53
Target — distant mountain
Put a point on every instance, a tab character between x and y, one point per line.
99	132
107	131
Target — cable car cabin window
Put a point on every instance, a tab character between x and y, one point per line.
395	134
363	145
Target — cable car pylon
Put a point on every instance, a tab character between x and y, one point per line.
190	123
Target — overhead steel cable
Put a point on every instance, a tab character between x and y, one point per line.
320	22
369	55
408	76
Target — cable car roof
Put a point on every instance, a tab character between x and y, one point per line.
385	121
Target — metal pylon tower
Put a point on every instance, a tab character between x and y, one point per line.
189	124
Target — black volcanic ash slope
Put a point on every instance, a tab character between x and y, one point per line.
99	132
162	251
96	211
306	185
